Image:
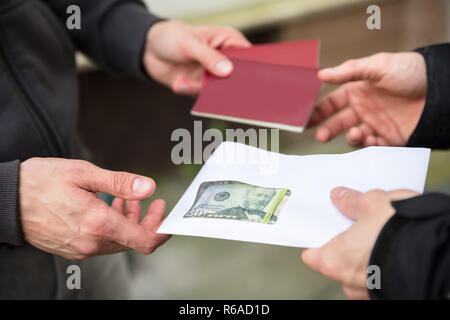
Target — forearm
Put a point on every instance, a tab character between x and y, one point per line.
113	32
10	229
433	129
413	250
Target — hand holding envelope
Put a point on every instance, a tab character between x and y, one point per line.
307	218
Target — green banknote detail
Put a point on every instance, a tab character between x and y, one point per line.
238	201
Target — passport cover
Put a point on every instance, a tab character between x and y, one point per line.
272	85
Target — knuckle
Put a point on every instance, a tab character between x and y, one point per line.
94	224
82	165
119	182
382	55
80	168
85	249
368	199
351	63
89	249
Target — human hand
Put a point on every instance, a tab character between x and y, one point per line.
61	214
346	257
176	53
380	101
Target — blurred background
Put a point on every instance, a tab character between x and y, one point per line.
141	117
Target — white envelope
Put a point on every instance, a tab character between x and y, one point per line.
308	218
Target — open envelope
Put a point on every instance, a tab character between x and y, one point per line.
272	85
307	217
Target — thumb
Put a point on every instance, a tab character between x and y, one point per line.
346	201
369	68
124	185
211	59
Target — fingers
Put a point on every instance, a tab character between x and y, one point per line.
356	136
115	232
210	58
369	68
402	194
325	260
228	38
117	204
337	124
333	263
347	201
345	257
119	184
224	37
154	218
186	86
155	214
133	210
354	203
329	105
104	223
312	258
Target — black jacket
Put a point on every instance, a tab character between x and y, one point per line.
413	248
38	105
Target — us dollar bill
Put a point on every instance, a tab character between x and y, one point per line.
238	201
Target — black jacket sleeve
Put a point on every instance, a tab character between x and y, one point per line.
433	129
413	250
10	229
112	32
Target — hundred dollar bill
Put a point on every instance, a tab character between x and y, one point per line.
238	201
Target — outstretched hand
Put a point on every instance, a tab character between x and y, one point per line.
379	103
60	212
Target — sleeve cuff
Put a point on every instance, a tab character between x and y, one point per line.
410	248
123	33
10	228
433	129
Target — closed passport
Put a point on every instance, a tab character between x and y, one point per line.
272	85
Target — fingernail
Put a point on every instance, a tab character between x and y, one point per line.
224	67
141	186
337	193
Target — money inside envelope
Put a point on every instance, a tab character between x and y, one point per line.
238	201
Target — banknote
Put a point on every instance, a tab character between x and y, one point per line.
238	201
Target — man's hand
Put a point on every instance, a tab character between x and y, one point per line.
61	214
176	53
379	103
346	257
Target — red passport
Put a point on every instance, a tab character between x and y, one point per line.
272	85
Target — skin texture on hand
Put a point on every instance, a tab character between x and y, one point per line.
61	214
379	103
345	258
176	54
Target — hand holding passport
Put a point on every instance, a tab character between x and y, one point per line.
272	85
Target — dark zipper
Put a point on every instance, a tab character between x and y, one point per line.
36	115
